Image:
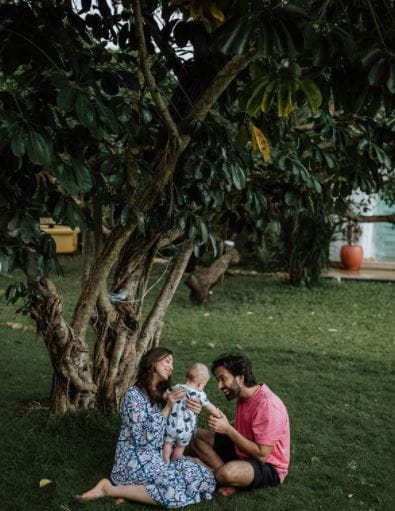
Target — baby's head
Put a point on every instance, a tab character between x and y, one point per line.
198	375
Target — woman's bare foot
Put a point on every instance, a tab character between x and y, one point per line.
98	491
226	491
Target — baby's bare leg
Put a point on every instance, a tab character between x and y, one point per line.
167	451
178	452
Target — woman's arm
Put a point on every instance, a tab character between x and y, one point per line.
143	421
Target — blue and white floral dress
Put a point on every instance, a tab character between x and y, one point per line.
139	460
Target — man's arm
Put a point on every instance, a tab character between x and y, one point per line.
221	425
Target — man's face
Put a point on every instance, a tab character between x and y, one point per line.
229	384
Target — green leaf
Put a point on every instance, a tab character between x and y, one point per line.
316	185
140	220
192	231
311	91
274	226
292	51
391	79
242	138
107	116
213	244
329	159
39	149
245	96
289	198
376	73
85	110
18	142
233	36
203	231
370	56
265	41
65	99
255	99
268	96
59	80
361	145
238	177
82	175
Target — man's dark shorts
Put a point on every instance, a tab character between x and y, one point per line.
264	473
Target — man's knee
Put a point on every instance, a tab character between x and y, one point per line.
235	473
226	473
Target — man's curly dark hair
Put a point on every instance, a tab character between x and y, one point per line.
237	365
146	370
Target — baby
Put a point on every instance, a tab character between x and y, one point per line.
181	421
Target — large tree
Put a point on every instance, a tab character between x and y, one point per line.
149	124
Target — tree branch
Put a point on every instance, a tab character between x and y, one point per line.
149	77
162	302
370	218
219	84
99	273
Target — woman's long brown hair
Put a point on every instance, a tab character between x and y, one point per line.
145	373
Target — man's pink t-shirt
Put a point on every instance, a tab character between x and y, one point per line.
263	419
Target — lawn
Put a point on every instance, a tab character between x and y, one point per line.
328	352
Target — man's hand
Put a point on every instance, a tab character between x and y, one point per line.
219	424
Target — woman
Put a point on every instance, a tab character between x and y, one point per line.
139	472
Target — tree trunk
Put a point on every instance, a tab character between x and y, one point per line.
205	278
121	336
72	383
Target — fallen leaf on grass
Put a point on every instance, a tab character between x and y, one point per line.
14	326
44	482
250	313
332	330
206	314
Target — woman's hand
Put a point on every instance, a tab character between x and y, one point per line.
172	397
194	405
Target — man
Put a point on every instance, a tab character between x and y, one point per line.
254	450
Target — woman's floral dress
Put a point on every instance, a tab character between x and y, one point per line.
138	457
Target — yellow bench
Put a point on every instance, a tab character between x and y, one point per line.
66	238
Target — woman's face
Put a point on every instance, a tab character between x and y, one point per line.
163	368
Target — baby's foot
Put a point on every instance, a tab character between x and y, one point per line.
98	491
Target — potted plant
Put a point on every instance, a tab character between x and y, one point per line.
351	255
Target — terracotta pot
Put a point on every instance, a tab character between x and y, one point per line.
351	256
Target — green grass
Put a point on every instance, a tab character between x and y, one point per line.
328	352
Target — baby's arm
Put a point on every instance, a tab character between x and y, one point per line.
213	410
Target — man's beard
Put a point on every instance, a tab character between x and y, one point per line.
232	393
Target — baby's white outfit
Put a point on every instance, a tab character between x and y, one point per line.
181	421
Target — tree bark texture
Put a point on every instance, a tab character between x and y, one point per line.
205	278
72	385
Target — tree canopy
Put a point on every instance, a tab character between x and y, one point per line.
148	123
